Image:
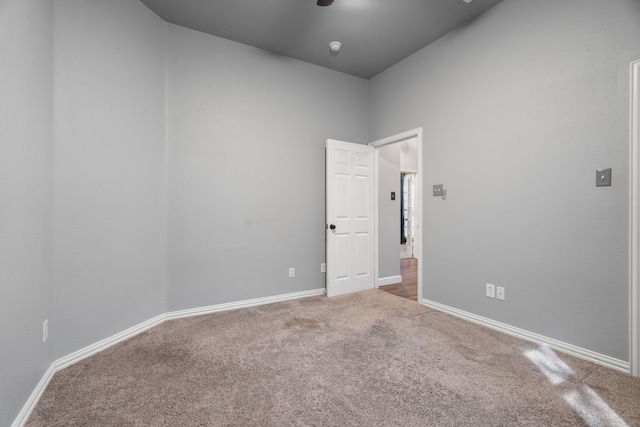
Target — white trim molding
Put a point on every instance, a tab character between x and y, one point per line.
563	347
242	304
391	280
97	347
26	410
104	344
634	218
148	324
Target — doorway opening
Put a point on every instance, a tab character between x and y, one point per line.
408	287
398	237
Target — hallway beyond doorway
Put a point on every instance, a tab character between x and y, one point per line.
408	288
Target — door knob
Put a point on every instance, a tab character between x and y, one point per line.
332	226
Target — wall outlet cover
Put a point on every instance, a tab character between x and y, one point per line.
500	293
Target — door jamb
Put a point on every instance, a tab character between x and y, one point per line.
413	133
634	226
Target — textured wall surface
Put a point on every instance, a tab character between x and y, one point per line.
519	108
25	198
246	134
109	163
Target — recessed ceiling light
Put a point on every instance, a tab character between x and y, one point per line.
467	1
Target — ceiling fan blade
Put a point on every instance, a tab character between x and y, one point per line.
325	2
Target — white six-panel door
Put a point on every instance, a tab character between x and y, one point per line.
350	217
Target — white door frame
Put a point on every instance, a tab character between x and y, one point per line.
634	218
413	133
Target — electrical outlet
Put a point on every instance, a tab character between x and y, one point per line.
323	267
500	293
491	290
45	331
292	272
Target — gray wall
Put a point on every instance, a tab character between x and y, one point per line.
519	108
109	163
246	136
25	198
389	211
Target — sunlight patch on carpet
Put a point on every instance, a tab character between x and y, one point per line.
584	401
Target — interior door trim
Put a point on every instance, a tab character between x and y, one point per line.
634	219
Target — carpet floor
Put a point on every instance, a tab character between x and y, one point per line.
365	359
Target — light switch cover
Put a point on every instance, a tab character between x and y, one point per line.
603	178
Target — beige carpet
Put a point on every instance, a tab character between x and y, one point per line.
367	359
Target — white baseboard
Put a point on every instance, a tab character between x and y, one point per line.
391	280
92	349
242	304
563	347
26	410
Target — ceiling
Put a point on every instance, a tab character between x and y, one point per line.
375	34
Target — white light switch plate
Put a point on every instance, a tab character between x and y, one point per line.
491	290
